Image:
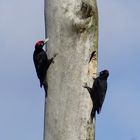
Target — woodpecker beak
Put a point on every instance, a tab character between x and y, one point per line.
46	40
97	74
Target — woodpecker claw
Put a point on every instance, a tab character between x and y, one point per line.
85	85
53	61
55	55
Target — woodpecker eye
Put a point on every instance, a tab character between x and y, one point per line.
101	73
40	44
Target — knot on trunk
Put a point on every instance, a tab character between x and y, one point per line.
84	18
86	10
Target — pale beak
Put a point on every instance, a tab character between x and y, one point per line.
97	74
46	40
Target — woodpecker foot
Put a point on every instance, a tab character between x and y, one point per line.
85	85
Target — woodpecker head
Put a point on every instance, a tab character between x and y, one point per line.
41	43
104	74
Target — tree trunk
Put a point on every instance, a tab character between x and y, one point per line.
72	28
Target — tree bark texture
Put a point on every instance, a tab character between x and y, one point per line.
72	28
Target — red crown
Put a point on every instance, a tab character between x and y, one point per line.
39	43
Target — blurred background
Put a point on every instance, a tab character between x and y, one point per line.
21	99
119	48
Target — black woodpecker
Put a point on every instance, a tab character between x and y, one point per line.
98	92
42	63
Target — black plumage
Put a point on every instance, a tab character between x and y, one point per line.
98	92
41	63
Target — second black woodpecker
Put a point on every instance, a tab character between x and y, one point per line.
98	92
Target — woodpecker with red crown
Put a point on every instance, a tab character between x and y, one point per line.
42	63
98	92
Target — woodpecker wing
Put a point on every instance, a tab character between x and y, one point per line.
100	93
95	95
40	61
103	89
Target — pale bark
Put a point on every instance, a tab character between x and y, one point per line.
72	27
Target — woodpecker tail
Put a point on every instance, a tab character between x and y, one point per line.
88	88
45	85
40	84
92	115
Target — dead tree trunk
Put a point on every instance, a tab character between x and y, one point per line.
72	28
